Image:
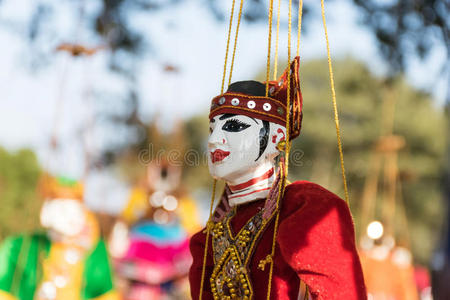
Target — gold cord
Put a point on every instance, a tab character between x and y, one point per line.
208	224
299	25
269	287
208	227
333	94
275	64
284	172
235	41
228	47
268	47
275	229
288	102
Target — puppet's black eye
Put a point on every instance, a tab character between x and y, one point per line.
234	125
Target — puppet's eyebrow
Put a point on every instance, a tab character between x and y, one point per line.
254	120
227	116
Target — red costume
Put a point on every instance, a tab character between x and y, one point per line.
314	242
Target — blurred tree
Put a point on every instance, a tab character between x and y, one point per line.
315	156
19	173
361	94
184	145
196	131
402	28
407	28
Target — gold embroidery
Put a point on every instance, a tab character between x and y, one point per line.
232	254
263	262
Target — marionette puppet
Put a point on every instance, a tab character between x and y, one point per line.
160	221
269	239
68	261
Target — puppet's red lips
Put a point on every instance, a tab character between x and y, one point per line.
218	155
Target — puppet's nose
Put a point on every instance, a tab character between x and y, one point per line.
216	138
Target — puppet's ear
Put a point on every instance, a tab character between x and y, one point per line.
277	135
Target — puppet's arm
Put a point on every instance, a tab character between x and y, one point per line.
317	240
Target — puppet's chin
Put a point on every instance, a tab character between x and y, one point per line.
219	170
230	171
224	170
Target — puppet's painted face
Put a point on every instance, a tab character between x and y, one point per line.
63	216
239	144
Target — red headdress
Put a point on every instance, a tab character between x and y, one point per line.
272	108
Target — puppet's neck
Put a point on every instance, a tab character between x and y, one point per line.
252	186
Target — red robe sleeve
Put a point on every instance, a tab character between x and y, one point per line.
317	239
197	247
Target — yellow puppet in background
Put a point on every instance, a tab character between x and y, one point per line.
68	261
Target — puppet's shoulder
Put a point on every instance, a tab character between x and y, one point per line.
306	195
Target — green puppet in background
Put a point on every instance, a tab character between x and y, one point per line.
68	261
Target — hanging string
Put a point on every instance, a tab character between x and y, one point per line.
88	134
299	25
59	108
54	138
228	47
81	14
208	227
333	94
275	64
284	167
403	216
269	42
288	102
390	183
209	223
235	41
275	229
368	200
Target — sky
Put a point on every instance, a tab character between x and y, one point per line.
186	36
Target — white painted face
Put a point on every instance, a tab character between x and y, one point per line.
63	216
237	145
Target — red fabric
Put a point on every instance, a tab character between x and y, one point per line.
315	243
422	278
